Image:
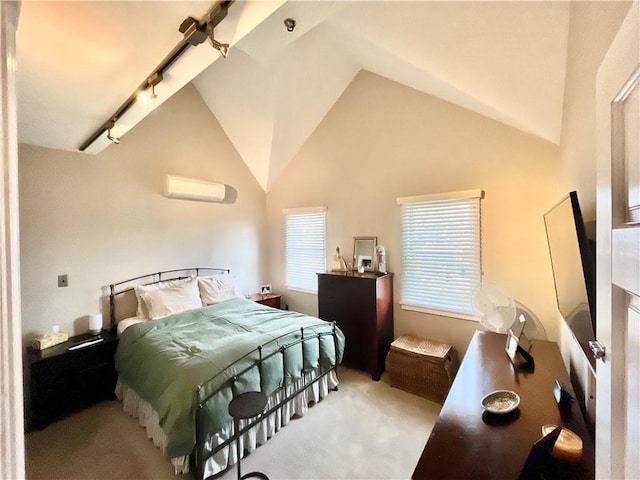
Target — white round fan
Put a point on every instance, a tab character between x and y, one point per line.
497	309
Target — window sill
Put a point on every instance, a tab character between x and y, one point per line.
303	290
441	313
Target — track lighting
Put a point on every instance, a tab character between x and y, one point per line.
197	32
290	23
223	48
115	140
194	33
145	96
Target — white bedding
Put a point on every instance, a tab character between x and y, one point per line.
258	435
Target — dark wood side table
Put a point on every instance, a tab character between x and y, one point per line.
471	444
243	407
269	299
64	381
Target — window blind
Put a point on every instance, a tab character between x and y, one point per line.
441	251
306	247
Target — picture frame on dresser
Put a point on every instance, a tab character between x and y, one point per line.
365	262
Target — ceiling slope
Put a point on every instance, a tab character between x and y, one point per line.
269	111
505	60
78	61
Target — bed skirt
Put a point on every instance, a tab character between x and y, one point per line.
255	436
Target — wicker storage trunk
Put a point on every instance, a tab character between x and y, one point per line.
422	366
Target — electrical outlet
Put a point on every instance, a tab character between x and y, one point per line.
63	280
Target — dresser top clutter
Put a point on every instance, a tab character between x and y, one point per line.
355	274
468	443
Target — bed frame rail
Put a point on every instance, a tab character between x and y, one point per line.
200	457
116	289
305	335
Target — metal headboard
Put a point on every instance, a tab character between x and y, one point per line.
150	279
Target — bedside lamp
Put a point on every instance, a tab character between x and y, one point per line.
95	323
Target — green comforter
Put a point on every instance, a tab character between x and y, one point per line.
165	361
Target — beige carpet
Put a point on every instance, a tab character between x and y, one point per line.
366	430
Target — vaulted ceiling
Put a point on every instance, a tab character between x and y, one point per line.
79	61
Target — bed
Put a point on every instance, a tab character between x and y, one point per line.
189	342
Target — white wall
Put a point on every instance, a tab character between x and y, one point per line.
383	140
101	219
592	28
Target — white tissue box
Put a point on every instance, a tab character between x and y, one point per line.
50	340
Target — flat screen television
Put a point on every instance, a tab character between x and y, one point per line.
573	262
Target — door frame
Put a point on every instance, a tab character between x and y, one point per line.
617	67
11	401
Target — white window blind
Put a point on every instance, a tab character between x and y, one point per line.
441	251
306	247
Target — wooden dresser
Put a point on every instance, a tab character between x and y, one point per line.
361	304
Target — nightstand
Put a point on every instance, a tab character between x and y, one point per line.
64	381
269	299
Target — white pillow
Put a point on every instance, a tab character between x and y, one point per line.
218	288
163	302
142	312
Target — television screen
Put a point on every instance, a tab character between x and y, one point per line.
572	261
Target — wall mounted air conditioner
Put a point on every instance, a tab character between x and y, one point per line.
193	189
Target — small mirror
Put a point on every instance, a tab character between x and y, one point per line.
364	253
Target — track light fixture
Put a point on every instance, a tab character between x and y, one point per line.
223	48
195	32
115	140
145	96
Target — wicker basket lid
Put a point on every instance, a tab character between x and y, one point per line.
420	346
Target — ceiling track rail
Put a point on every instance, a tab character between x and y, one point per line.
192	37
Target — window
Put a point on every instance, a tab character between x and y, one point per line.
306	247
441	261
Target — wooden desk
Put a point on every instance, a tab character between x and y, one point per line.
467	443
